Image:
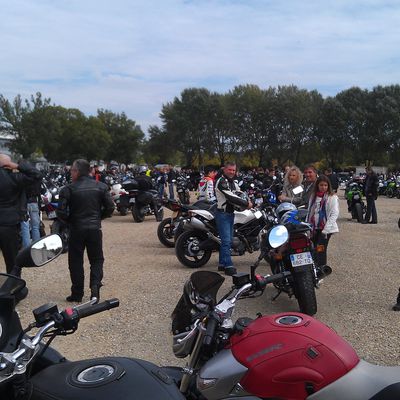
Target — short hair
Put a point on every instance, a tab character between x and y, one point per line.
329	170
310	166
209	168
82	166
230	164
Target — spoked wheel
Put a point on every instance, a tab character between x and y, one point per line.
165	232
187	249
305	292
138	212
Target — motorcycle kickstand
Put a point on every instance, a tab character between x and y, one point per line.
276	296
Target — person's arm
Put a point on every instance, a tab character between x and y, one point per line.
231	197
332	215
27	173
210	191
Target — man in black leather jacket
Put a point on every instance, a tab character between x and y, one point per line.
83	204
13	205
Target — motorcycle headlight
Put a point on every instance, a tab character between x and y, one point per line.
356	197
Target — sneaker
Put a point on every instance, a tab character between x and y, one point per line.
95	293
230	271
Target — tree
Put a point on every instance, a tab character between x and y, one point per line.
125	135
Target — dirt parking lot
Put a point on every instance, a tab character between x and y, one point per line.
355	300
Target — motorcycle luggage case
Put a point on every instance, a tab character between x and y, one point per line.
291	355
111	378
130	184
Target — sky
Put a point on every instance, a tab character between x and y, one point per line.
134	56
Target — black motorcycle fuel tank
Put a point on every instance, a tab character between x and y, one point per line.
111	378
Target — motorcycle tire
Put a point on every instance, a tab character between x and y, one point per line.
123	211
398	223
359	212
305	292
138	213
165	232
398	194
389	192
186	255
187	198
159	214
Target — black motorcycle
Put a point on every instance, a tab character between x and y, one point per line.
182	188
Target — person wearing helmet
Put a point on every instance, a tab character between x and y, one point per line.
323	211
227	200
284	208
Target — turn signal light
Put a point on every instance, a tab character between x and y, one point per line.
320	248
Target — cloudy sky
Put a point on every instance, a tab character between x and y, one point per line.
134	56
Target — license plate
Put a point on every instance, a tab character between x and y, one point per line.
132	200
52	214
301	259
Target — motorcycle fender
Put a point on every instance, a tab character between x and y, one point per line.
301	269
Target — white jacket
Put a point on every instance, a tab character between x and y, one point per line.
332	213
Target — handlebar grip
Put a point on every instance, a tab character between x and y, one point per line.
211	326
97	308
276	277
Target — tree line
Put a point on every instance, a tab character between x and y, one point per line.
248	124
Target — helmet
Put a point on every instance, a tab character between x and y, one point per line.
290	217
283	208
271	198
142	169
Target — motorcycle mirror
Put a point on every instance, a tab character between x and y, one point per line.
298	190
40	252
278	236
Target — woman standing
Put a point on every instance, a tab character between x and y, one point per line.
323	211
293	179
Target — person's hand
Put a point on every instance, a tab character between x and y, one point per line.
10	165
249	205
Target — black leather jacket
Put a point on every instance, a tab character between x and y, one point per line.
12	194
84	203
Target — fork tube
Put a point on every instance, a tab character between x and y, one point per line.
193	360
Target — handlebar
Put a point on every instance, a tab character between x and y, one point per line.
211	327
97	308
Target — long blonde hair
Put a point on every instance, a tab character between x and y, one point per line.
299	181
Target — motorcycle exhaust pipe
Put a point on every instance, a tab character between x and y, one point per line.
323	271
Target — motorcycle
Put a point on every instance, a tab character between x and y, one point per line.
286	355
199	238
167	227
141	202
355	204
295	258
182	188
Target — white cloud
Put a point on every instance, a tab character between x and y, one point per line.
133	56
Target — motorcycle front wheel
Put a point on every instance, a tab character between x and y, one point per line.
305	292
138	212
187	252
359	212
123	211
165	232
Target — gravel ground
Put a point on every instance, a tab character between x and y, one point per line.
355	300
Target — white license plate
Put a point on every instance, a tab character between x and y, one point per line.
132	200
301	259
52	214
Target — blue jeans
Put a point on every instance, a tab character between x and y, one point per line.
34	220
225	229
25	234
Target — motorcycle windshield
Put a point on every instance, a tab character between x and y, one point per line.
200	293
10	284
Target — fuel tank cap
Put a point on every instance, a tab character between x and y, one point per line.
96	373
289	320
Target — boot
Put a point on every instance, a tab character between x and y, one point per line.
95	293
396	307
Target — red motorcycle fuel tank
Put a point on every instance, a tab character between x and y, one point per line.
291	356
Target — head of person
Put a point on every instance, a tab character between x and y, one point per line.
328	171
323	185
210	171
79	168
310	173
293	176
369	170
229	169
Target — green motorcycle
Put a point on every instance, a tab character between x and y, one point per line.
355	204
